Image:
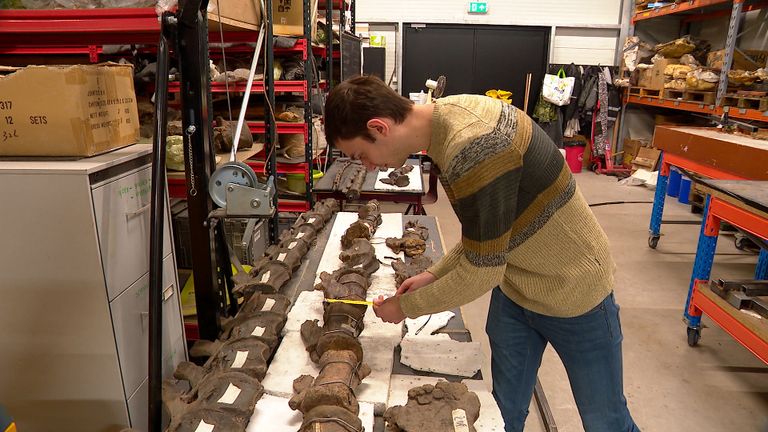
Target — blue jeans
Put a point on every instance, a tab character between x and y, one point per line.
589	346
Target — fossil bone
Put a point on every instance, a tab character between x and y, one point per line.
431	409
340	374
416	265
413	241
369	220
398	177
248	355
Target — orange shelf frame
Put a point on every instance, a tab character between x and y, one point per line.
676	8
737	113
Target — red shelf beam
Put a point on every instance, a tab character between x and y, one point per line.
321	51
292	206
258	87
282	128
323	4
738	113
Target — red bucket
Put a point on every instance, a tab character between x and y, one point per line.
574	157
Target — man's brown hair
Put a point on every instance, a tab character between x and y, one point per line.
355	101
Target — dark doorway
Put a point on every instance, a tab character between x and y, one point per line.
476	58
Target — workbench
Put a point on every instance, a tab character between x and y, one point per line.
743	204
415	197
704	152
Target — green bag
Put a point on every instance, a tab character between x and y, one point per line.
544	111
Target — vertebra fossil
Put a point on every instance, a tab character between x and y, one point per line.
433	409
399	176
415	266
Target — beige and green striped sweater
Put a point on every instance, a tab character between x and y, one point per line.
525	225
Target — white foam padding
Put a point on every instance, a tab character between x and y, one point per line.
440	354
414	178
292	361
273	414
427	324
490	419
378	338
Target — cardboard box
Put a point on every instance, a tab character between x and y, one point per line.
68	111
654	78
647	158
235	14
288	17
716	59
631	149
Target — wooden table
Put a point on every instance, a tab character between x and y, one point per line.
704	152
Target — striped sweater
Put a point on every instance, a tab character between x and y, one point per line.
525	225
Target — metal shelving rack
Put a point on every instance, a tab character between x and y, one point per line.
328	52
698	10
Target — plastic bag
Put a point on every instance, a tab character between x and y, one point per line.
557	89
174	153
544	111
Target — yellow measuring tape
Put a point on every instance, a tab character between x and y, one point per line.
354	302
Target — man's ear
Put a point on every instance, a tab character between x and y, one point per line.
378	126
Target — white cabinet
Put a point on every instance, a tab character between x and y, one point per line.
74	286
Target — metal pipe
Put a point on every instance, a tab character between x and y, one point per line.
156	229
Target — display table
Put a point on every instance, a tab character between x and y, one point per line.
413	196
389	378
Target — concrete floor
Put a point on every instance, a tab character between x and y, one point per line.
717	386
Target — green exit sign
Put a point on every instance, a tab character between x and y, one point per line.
478	7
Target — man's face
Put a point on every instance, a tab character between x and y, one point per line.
372	154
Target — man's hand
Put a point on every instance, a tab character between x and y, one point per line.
388	309
413	283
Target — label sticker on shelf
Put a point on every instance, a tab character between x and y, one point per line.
265	277
460	423
204	427
258	331
292	245
299	235
268	303
281	257
230	396
240	359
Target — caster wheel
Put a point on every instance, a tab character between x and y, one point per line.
694	334
653	241
741	243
